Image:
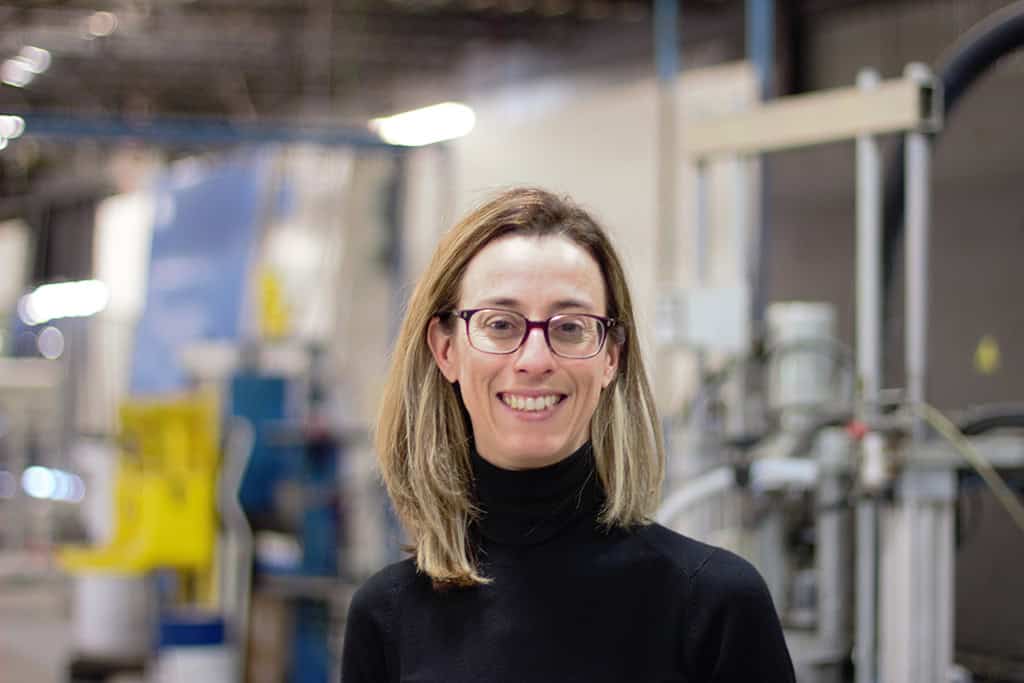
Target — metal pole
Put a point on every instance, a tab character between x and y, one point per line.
666	57
917	160
746	261
761	53
701	232
927	498
700	426
701	244
869	370
833	558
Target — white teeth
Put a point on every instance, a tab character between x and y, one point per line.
530	403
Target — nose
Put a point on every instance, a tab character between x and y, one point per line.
534	356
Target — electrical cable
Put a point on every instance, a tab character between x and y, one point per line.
990	417
949	431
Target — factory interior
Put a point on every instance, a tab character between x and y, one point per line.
213	212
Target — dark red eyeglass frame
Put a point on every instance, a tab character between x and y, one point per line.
606	326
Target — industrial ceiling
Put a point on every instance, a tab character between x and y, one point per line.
343	59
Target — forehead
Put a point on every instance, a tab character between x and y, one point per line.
533	271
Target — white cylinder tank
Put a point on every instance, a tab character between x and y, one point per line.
802	337
112	615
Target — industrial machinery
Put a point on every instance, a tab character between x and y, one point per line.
843	493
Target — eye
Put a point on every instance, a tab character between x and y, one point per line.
498	323
570	327
573	328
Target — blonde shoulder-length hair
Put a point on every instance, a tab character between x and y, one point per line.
423	432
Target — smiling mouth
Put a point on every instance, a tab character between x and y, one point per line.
531	404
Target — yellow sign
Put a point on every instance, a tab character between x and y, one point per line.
986	356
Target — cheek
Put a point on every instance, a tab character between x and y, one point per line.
477	375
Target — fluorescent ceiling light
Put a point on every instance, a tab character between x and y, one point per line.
52	484
36	59
63	300
418	127
11	126
39	482
50	343
102	24
17	71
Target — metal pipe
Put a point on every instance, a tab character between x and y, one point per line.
917	160
666	44
869	223
198	131
869	367
701	231
741	229
699	266
696	491
833	558
761	52
666	56
865	655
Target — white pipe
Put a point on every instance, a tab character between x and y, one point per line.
869	370
766	474
917	160
697	490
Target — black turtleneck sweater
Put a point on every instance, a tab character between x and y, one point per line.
569	602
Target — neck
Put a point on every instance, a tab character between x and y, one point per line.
526	507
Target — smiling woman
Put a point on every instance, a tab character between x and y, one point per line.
519	443
530	401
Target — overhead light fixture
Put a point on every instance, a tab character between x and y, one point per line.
11	126
101	24
436	123
36	59
63	300
17	72
50	343
52	484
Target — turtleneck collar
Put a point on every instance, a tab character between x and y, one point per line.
527	507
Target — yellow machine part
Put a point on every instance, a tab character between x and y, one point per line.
165	492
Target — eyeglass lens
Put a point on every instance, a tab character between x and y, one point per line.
569	335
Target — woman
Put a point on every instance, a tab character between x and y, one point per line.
519	443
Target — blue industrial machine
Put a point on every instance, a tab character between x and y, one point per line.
293	449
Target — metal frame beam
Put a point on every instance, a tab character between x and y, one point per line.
897	105
198	131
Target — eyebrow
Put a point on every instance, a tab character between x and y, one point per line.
559	305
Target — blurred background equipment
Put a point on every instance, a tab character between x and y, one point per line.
211	215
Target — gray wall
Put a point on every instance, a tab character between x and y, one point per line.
978	223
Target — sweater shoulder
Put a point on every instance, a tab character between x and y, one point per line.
369	648
377	595
688	555
695	559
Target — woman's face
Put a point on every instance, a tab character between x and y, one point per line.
538	277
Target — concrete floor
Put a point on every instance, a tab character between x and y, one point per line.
35	630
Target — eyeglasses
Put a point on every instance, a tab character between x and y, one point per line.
569	335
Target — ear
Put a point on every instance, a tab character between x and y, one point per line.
442	345
611	365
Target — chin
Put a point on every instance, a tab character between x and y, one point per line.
535	452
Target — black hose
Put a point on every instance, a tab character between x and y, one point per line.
969	57
989	418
